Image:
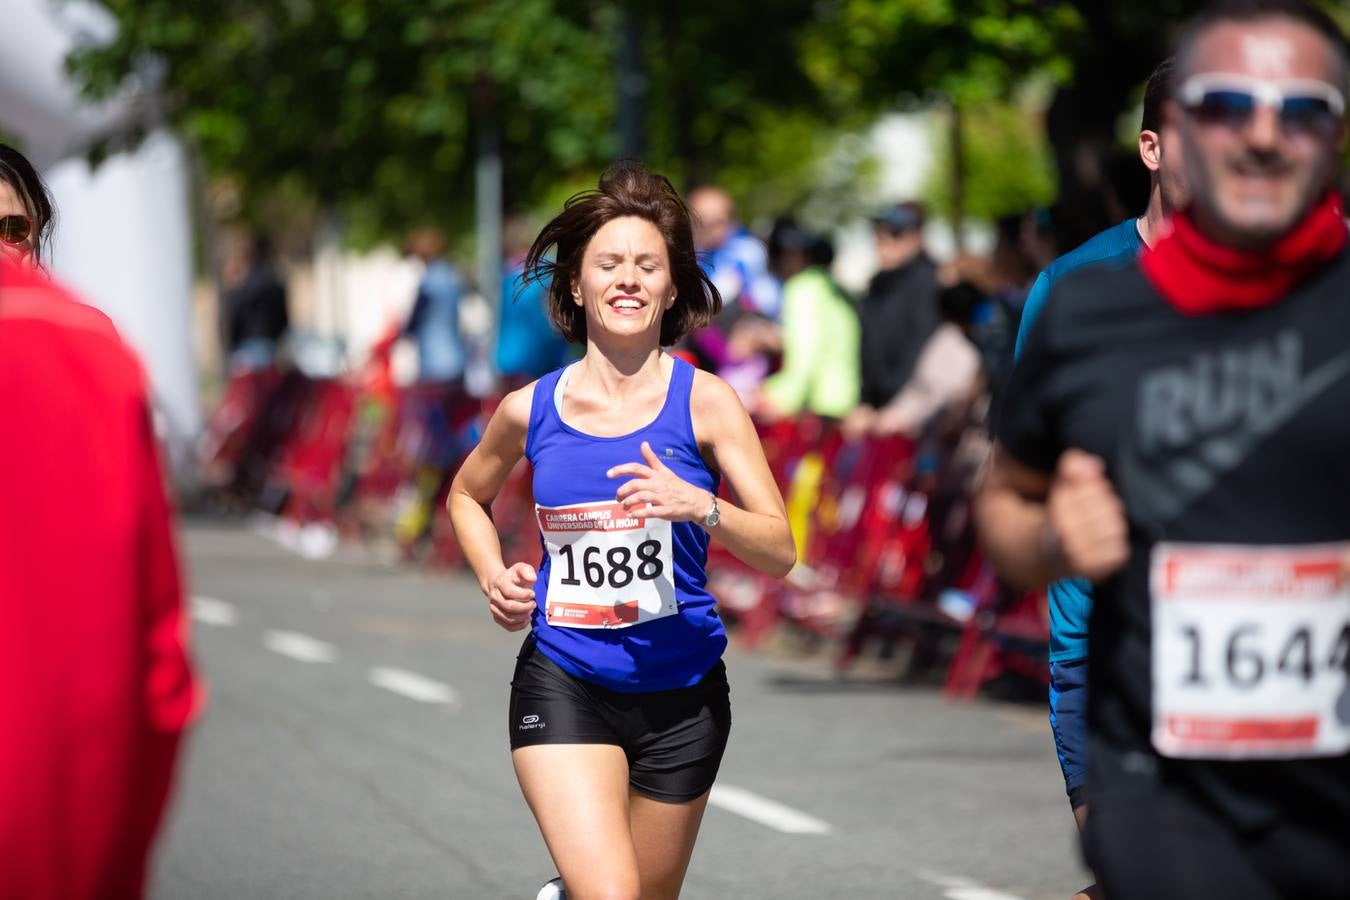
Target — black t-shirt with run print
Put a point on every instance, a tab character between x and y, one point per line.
1218	430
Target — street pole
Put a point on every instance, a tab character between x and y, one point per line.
488	204
632	83
958	151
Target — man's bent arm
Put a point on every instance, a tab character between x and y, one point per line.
1014	525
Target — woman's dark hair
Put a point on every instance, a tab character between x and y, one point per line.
18	173
626	188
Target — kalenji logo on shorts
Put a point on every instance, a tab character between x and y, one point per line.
530	723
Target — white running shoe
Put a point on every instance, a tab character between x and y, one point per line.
552	891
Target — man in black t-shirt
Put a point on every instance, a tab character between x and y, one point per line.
1176	432
899	312
253	306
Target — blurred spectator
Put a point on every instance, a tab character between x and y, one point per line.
820	331
95	683
736	260
528	345
253	305
434	321
899	311
1006	284
26	211
1014	263
1040	238
740	341
947	375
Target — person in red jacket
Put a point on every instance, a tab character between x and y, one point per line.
96	686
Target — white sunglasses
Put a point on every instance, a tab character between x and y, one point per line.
1303	104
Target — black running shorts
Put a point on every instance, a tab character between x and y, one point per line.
1150	839
674	740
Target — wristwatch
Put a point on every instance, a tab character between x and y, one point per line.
714	515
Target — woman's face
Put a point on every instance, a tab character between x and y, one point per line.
14	222
625	283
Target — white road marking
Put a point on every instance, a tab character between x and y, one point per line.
299	646
765	811
210	611
412	685
955	888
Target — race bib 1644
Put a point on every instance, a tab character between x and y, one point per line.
1250	651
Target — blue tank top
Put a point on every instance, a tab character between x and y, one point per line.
622	602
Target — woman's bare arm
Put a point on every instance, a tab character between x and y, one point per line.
757	531
510	591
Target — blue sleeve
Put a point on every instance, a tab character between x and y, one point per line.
1031	311
451	289
418	312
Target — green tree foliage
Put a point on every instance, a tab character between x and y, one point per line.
1008	161
368	105
903	51
372	107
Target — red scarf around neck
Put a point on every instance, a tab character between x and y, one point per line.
1198	276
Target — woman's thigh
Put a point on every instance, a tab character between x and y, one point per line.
579	796
663	836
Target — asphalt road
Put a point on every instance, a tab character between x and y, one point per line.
354	746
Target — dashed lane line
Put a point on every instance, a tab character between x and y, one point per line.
957	888
413	686
766	812
299	646
210	611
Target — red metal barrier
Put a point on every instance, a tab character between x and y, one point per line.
310	463
226	439
873	560
1007	633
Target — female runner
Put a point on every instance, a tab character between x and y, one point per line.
619	708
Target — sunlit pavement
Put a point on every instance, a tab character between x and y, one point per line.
355	746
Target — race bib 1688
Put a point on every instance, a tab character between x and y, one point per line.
608	568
